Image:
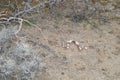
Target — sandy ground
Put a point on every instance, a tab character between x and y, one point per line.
100	61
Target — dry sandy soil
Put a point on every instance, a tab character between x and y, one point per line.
100	61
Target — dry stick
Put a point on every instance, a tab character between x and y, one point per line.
28	10
20	26
13	18
41	4
2	25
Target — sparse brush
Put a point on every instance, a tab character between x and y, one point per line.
18	61
78	10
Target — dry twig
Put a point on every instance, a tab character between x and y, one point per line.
20	21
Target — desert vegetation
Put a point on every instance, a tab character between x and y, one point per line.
26	46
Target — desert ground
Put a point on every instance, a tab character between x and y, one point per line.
59	40
100	60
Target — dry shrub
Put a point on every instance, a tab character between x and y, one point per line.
18	61
78	10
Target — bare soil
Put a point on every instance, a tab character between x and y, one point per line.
100	61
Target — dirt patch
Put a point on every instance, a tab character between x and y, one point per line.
42	55
100	61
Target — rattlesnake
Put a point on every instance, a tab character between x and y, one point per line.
67	45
